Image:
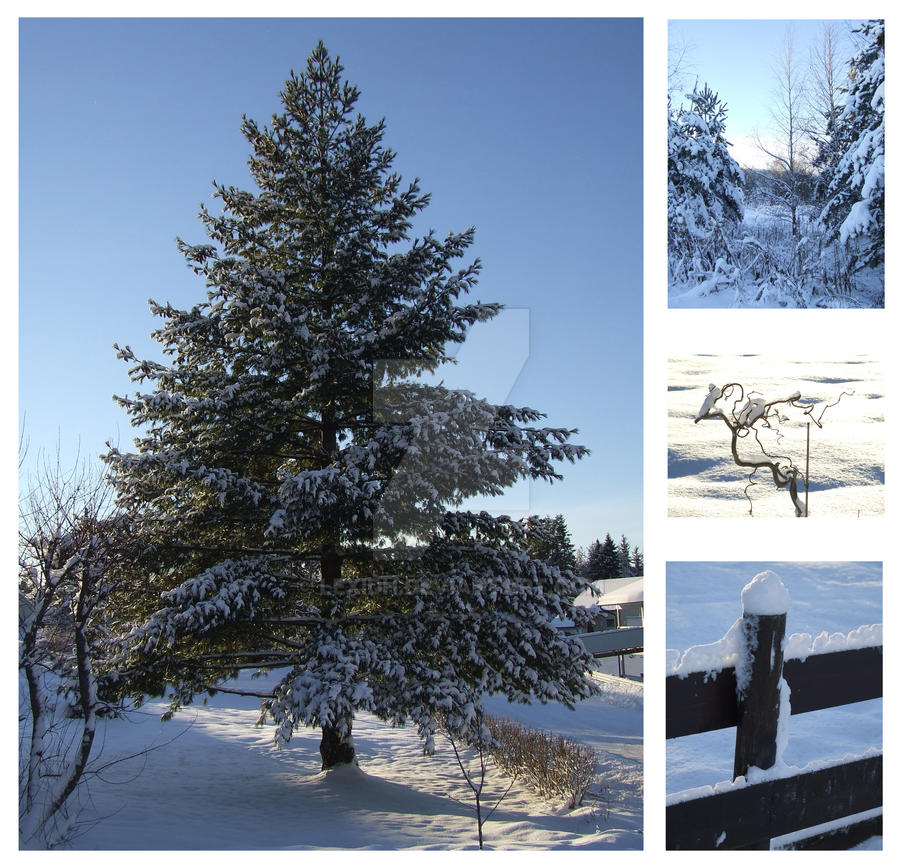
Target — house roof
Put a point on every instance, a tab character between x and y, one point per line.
633	592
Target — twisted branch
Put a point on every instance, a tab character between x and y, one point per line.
749	412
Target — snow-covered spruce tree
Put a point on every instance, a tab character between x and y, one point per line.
292	488
705	200
853	214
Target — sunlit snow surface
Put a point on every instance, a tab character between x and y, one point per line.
703	600
221	784
769	227
846	464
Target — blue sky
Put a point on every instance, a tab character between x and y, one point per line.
737	59
530	130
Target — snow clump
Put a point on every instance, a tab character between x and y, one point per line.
765	595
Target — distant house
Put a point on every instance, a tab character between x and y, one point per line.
615	633
614	603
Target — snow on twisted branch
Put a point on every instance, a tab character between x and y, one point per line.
748	415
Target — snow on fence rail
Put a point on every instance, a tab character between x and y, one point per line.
757	695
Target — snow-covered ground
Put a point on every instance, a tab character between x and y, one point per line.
767	279
703	600
218	782
846	464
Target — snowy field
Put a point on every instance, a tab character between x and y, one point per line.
703	600
218	782
846	464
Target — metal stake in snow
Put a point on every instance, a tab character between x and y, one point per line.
806	477
765	601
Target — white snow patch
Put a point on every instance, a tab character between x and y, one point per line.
765	595
798	646
711	658
222	784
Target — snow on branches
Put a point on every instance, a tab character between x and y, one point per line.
705	199
854	207
292	479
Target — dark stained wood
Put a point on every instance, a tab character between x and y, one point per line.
742	818
699	703
843	838
755	742
838	678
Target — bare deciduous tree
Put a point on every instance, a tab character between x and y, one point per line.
68	551
827	78
478	744
790	122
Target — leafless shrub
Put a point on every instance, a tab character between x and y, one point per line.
552	765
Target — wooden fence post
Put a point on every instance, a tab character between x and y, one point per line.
748	696
760	705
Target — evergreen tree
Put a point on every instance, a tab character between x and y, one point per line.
580	560
637	561
705	199
624	552
854	210
548	540
609	559
287	520
592	570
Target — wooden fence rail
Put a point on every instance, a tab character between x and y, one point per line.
700	703
748	816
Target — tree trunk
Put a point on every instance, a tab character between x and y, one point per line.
336	750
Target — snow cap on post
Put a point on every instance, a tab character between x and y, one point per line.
765	595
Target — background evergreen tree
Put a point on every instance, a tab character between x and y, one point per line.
637	561
854	210
580	560
609	559
548	540
624	552
592	570
289	521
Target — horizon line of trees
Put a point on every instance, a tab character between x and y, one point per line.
549	541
